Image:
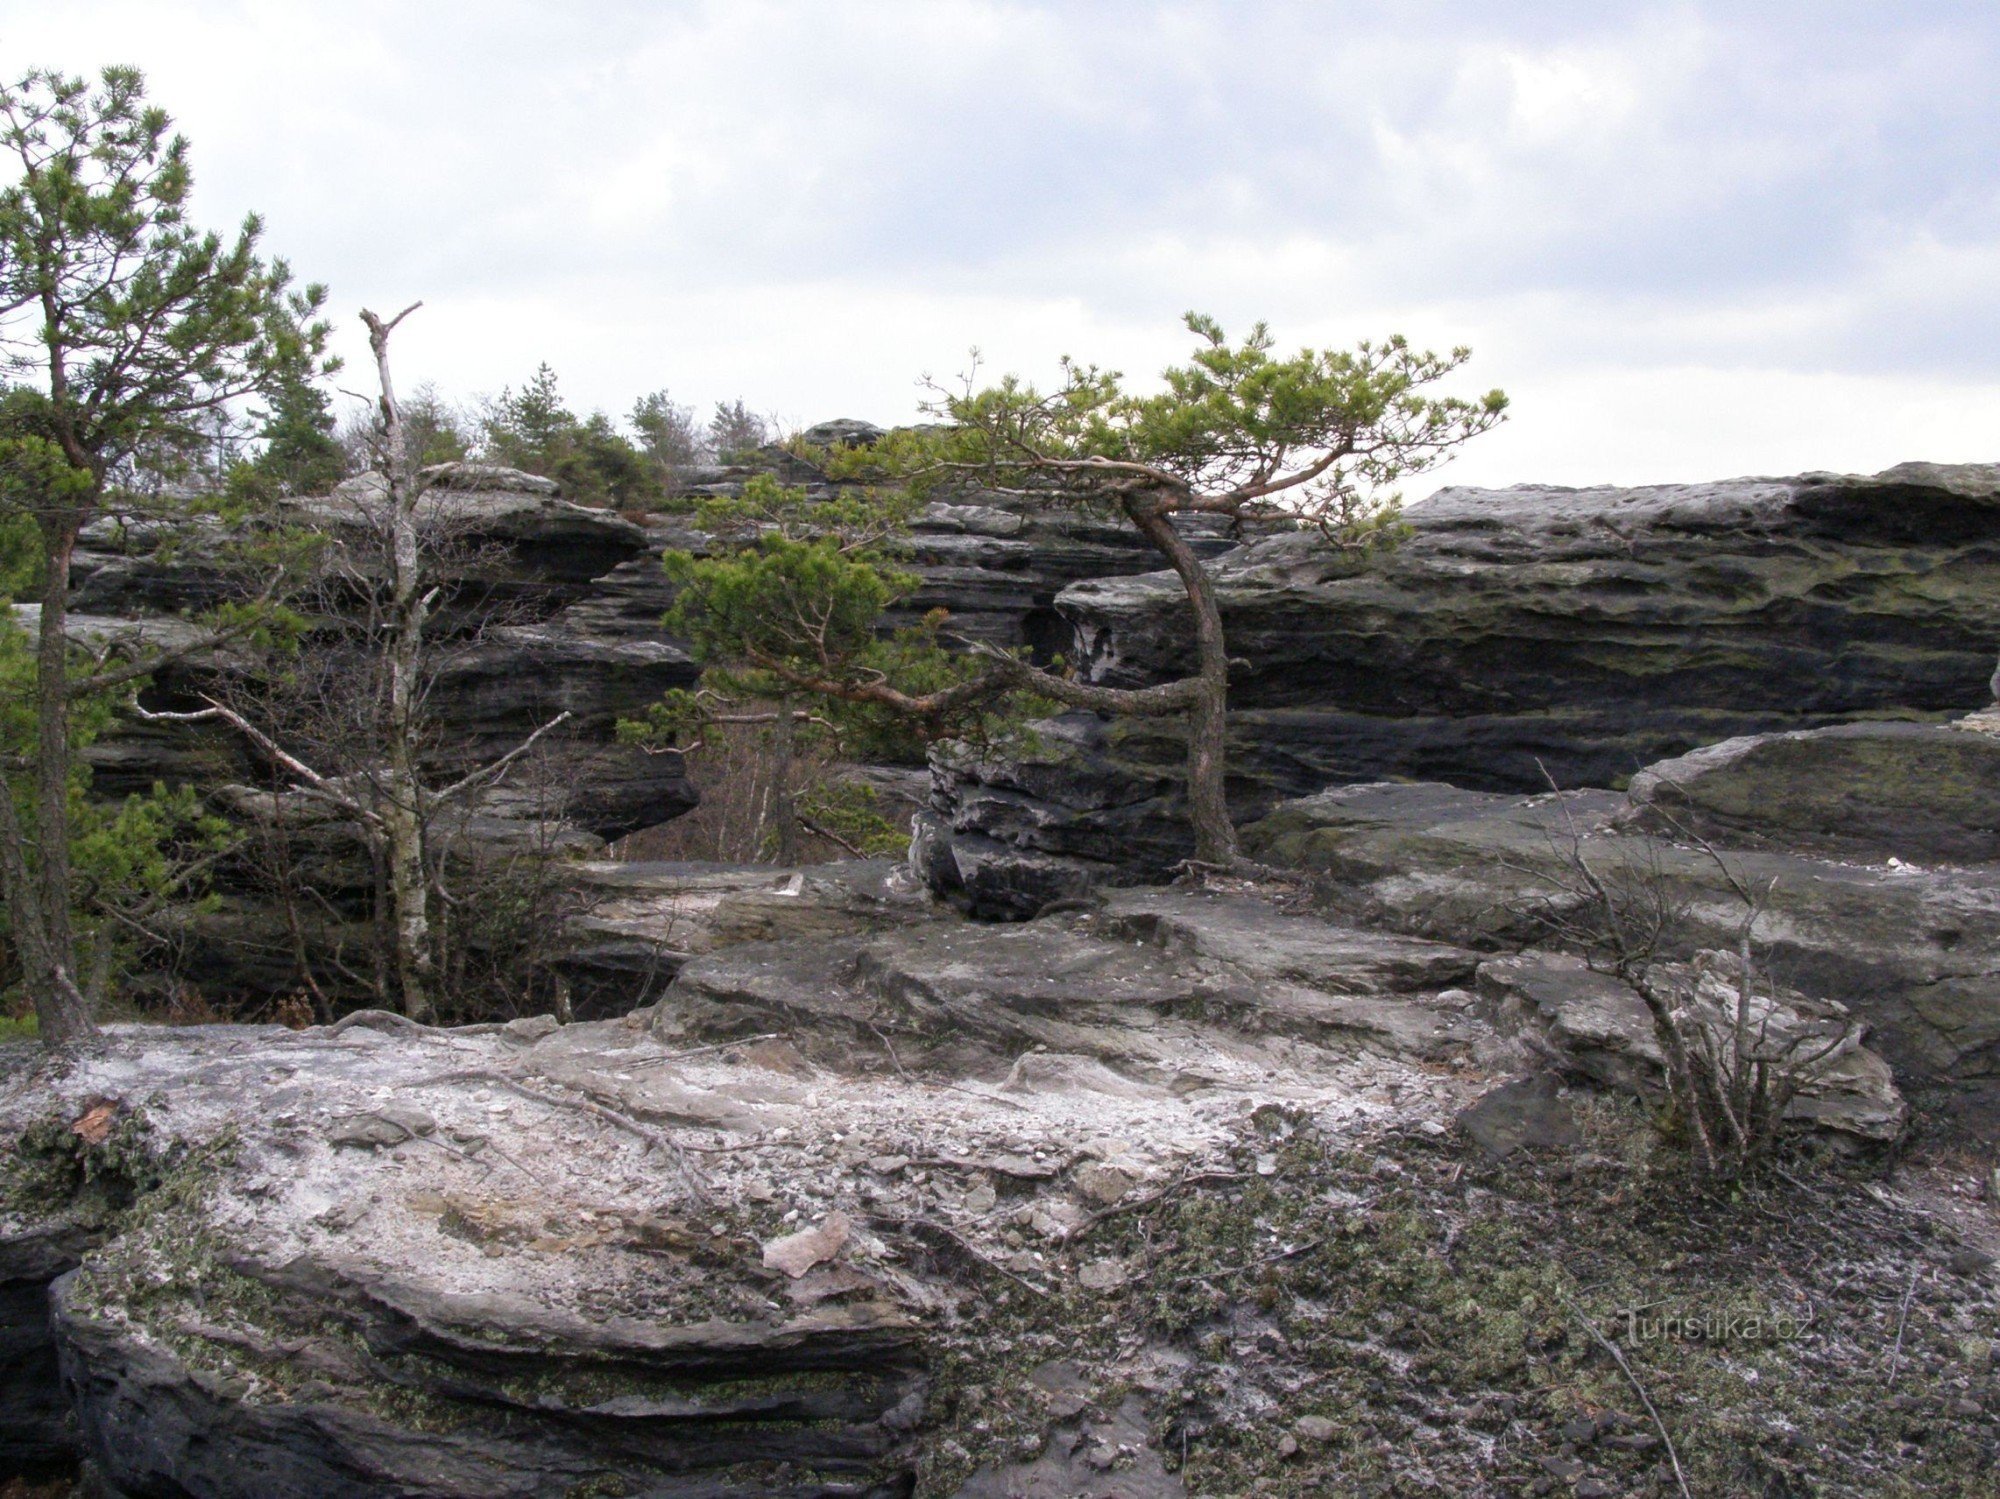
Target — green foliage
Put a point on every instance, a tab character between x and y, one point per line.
434	429
299	454
159	324
54	1167
735	432
782	602
667	432
1320	435
797	608
124	856
593	462
36	479
853	813
20	557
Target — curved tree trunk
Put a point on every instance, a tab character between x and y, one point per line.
1208	712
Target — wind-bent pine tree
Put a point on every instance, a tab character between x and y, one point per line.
132	333
1318	437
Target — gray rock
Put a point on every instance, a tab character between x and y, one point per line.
152	1424
37	1431
1910	951
1528	1113
389	1125
643	920
843	431
1589	631
1924	794
1602	1028
1084	1469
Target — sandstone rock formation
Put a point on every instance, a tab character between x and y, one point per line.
1585	632
1910	947
715	1247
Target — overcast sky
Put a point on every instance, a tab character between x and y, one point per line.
1690	240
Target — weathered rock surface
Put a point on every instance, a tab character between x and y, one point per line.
1160	985
1590	632
641	922
1918	793
525	1259
519	555
1600	1028
711	1248
1911	949
1597	629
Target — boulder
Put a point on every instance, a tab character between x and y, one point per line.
1601	1028
1909	949
1917	793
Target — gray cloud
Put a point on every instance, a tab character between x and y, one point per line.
808	203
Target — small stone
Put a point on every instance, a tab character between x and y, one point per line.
1967	1409
1633	1441
794	1254
1288	1445
1054	1220
887	1165
1267	1165
1567	1469
390	1125
1579	1429
1967	1260
1102	1185
1595	1488
980	1198
1314	1429
1102	1275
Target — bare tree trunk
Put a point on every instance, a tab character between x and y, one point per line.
403	817
36	865
784	811
1208	712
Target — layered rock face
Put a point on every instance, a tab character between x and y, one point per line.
1862	896
1585	632
546	608
519	561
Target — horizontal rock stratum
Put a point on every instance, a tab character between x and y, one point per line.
1513	636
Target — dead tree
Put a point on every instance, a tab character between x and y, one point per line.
1732	1070
382	787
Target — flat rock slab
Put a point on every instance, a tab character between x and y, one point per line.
1917	793
650	1253
1160	984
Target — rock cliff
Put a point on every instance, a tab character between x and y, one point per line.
1585	632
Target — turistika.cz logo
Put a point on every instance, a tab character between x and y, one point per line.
1709	1325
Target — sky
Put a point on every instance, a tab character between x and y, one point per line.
1690	240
